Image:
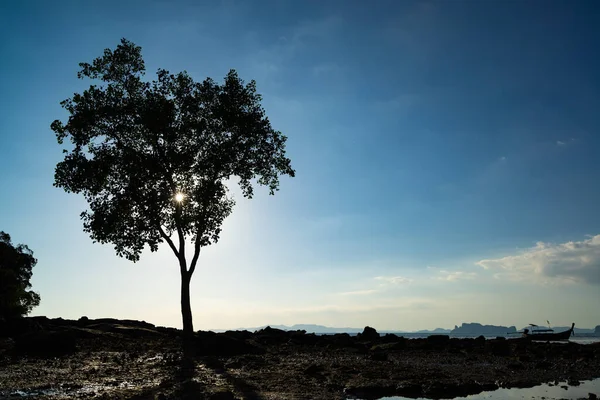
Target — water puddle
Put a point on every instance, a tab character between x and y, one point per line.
89	389
555	392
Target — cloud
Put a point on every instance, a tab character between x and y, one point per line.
551	263
454	276
560	143
358	292
393	280
385	283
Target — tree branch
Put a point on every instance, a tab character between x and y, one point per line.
168	240
196	255
182	261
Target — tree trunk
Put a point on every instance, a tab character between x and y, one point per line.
186	309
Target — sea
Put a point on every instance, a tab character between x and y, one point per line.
581	338
562	391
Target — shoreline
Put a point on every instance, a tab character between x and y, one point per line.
132	359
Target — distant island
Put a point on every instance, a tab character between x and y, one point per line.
435	331
474	328
466	329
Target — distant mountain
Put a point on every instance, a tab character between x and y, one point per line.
465	329
312	328
475	328
309	328
436	330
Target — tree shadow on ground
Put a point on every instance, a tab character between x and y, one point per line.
240	386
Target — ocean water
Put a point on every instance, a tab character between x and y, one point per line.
547	392
582	338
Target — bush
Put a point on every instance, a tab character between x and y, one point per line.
16	264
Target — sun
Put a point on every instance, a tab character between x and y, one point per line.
179	197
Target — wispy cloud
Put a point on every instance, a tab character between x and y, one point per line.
358	292
393	280
454	276
385	283
551	263
560	143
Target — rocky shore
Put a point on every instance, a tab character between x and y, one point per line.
108	359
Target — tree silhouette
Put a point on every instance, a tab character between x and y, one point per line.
16	264
153	158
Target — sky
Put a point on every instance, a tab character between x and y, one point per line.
447	157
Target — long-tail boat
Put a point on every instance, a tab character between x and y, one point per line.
547	334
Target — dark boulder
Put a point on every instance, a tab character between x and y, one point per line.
122	322
304	339
438	340
270	335
391	338
499	347
213	344
340	339
372	391
368	334
240	335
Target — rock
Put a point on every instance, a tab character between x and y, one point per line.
592	396
304	339
270	335
222	395
240	335
379	356
391	338
438	339
314	369
412	390
516	366
373	391
213	344
369	334
499	347
544	364
122	322
389	346
341	339
46	343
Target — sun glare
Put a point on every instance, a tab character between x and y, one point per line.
179	197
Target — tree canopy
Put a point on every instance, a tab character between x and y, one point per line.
153	159
16	265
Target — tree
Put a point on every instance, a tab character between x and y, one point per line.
16	264
153	159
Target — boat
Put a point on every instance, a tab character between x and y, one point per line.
547	334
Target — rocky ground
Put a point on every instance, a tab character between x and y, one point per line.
57	359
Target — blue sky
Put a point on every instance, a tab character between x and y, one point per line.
446	157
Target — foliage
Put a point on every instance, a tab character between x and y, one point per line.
136	144
16	264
